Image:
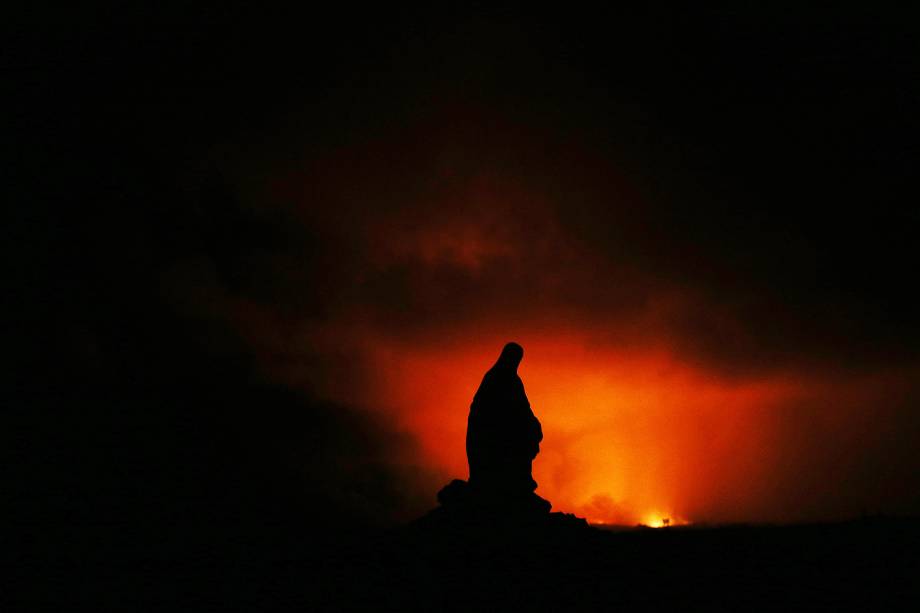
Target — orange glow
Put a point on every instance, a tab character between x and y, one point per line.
628	439
662	520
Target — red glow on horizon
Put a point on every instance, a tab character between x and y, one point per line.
627	439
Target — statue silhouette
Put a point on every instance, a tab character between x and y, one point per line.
502	439
503	435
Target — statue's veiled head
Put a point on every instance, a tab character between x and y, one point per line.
511	357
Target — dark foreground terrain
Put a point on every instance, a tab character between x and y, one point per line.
869	565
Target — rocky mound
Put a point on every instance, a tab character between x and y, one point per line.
464	507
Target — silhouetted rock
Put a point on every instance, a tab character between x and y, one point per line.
453	493
459	496
466	509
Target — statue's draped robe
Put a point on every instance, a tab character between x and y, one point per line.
503	435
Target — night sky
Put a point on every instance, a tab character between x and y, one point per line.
260	260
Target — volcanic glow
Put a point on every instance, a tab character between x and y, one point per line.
627	439
636	439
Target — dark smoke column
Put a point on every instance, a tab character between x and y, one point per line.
503	435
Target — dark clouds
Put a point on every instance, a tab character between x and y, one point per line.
468	201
